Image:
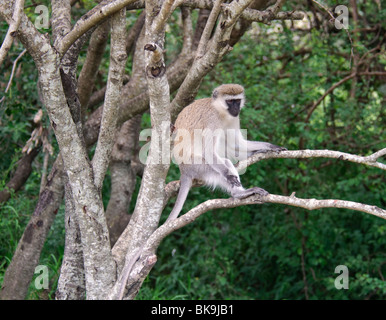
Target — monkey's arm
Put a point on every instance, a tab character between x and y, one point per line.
244	147
262	147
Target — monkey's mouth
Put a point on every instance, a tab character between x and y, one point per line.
233	107
234	111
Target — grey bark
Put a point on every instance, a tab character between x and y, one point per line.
109	124
90	67
123	177
71	284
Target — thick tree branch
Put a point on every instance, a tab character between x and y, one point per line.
89	207
187	28
113	93
266	16
167	8
145	217
71	283
60	20
123	177
90	67
208	28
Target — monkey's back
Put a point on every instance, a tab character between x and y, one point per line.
193	123
197	115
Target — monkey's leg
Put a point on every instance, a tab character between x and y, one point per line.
238	191
227	177
185	185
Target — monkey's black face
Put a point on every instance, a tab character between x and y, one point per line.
233	106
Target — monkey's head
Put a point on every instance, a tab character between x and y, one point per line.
228	99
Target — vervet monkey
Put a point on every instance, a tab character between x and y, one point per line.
207	137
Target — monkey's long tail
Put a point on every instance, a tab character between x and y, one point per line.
185	185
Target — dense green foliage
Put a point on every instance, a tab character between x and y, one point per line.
263	251
277	252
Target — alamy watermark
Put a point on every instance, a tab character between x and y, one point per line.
41	281
341	281
199	146
342	20
43	19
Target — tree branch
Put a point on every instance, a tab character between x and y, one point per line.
208	28
12	73
92	18
113	93
266	16
151	245
187	31
90	67
13	26
332	88
370	160
60	19
309	204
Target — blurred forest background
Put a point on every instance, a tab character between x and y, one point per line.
262	251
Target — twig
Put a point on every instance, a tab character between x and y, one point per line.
14	25
333	18
13	73
332	88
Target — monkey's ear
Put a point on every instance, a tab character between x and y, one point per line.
215	94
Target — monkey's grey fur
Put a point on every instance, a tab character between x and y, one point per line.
211	162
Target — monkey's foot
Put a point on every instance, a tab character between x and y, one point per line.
259	191
237	194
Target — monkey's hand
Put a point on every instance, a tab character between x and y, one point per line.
269	148
233	180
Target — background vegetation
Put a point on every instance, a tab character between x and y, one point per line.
264	251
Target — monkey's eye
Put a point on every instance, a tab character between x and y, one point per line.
233	103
